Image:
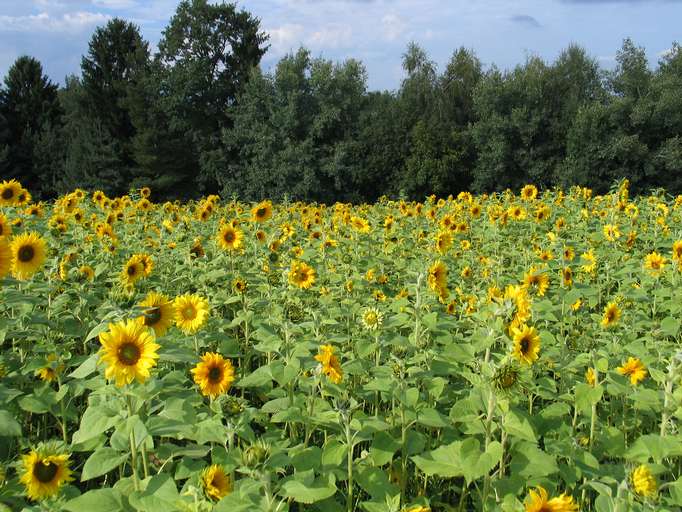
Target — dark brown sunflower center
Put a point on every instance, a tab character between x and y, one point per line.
128	354
261	212
152	316
2	229
229	237
610	315
45	473
132	270
215	374
26	253
8	193
525	345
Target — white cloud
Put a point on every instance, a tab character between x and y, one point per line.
393	26
284	38
332	36
44	22
115	4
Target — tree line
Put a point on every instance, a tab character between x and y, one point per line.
200	116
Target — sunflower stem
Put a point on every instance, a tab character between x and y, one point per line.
133	446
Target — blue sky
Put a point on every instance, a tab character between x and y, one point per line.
503	32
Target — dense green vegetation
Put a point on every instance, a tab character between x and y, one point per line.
201	116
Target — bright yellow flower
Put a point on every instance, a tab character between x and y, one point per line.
129	352
591	377
526	344
643	482
262	211
330	364
529	192
230	237
215	482
654	262
159	313
301	275
214	375
191	312
611	315
28	252
43	473
537	502
633	368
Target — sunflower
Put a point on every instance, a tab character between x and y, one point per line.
28	252
329	364
611	232
372	318
301	274
214	375
536	281
239	285
44	471
5	227
526	344
158	313
215	482
537	502
677	250
643	482
230	237
147	263
654	262
438	276
51	370
132	271
529	192
9	193
191	313
567	276
633	368
5	257
360	225
262	211
611	315
145	192
129	351
87	272
591	377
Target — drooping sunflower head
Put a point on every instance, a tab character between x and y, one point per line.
215	482
262	211
191	313
159	313
44	470
87	272
643	482
526	344
51	370
129	352
214	375
301	275
29	252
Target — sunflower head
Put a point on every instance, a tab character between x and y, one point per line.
191	313
329	363
230	238
643	482
132	271
301	274
29	252
262	211
611	315
526	344
372	319
128	351
214	375
158	314
44	470
215	482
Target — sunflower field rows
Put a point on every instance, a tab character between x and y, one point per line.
514	351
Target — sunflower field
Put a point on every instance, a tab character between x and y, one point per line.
513	351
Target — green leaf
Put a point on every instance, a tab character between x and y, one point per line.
518	424
670	326
655	447
160	493
102	461
9	426
383	448
461	458
320	489
101	500
86	368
